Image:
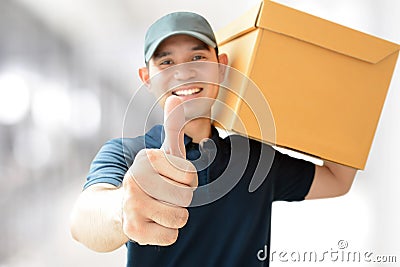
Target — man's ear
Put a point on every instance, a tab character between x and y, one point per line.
144	75
223	60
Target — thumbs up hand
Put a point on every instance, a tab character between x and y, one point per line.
159	185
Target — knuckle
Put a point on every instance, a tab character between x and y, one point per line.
131	181
191	168
152	154
168	238
128	180
139	229
142	153
192	179
133	207
131	188
174	220
135	231
189	175
145	156
173	237
158	217
186	196
134	190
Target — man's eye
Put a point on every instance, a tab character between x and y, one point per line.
198	58
166	62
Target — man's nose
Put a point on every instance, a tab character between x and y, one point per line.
184	72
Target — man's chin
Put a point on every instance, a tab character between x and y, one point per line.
197	114
189	116
198	108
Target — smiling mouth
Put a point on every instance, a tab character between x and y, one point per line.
187	92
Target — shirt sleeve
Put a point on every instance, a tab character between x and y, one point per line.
112	162
293	178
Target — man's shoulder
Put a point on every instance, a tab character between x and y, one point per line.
122	142
247	140
132	145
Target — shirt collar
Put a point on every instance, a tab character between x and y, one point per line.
155	136
214	136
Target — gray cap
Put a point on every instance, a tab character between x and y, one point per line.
177	23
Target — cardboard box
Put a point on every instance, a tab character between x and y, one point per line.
325	83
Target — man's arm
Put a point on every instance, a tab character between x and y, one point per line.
149	208
331	180
151	205
96	219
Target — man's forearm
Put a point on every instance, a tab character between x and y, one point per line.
96	219
331	180
343	174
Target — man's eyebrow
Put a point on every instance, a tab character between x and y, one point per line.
161	54
201	46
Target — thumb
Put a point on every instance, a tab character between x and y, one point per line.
174	120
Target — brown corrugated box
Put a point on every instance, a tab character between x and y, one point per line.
325	83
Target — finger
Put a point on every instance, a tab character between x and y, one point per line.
151	233
170	180
162	189
139	206
171	188
176	169
166	215
171	216
174	120
161	236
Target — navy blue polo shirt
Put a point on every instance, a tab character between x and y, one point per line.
230	220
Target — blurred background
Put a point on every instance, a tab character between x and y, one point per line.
67	72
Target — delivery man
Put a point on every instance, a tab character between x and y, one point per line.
139	190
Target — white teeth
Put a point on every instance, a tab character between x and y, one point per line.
186	92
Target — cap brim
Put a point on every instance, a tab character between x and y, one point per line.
196	35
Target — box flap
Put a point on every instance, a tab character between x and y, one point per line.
240	26
288	21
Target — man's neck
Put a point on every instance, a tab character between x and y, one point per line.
198	129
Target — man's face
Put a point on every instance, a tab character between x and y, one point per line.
188	68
